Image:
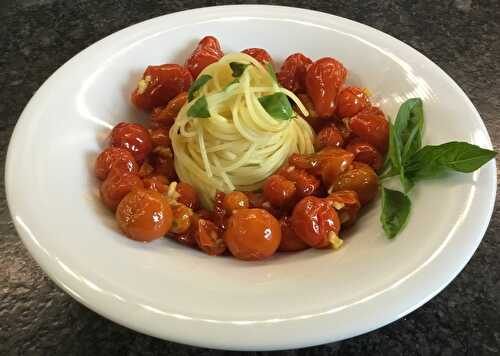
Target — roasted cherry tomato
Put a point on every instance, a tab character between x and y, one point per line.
328	136
323	81
366	153
159	84
187	195
371	126
351	100
347	204
219	213
144	215
327	163
235	200
259	54
166	116
114	158
208	237
290	242
292	74
163	162
156	182
361	178
146	169
160	137
117	185
181	221
186	238
278	190
207	52
252	234
305	183
315	221
133	137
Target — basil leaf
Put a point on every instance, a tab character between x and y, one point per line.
393	161
234	81
395	211
409	126
199	108
277	105
238	68
197	84
431	161
271	71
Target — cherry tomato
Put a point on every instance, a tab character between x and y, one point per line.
361	178
117	185
114	158
327	163
347	204
166	116
292	74
328	136
159	84
290	242
219	213
371	126
163	163
323	81
144	215
160	137
305	183
145	170
258	200
156	182
366	153
181	221
133	137
351	100
186	239
252	234
314	220
278	190
312	119
207	52
208	238
259	54
187	195
235	200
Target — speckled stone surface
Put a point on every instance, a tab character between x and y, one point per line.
37	36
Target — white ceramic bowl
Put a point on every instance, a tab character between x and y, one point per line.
291	300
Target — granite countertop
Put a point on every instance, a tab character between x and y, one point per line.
37	36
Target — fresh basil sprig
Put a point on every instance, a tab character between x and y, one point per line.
199	108
238	68
395	211
277	105
197	84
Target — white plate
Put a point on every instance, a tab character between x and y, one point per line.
291	300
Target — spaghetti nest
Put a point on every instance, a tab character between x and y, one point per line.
234	132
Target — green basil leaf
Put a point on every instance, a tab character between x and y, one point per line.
393	161
271	72
238	68
277	105
409	127
234	81
395	211
199	108
197	84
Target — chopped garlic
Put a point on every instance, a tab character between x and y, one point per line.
164	152
330	190
172	193
367	92
289	169
335	240
338	205
143	84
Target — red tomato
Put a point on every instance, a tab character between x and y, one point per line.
181	221
133	137
144	215
371	126
208	239
159	84
290	242
187	195
293	72
366	153
252	234
235	200
312	119
207	52
114	158
305	183
351	100
323	81
347	204
186	238
314	220
328	136
160	137
361	178
166	116
146	169
117	185
278	190
327	163
259	54
156	182
219	212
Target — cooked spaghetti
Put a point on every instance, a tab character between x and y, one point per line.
237	144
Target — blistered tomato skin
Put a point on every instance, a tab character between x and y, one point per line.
158	183
208	238
181	221
133	137
366	153
160	137
328	136
235	200
159	84
314	220
361	178
187	195
347	204
371	126
351	100
207	52
278	190
290	242
165	117
144	215
114	158
117	185
252	234
292	74
305	183
259	54
323	81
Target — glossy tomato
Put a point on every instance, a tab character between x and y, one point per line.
133	137
207	52
292	74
